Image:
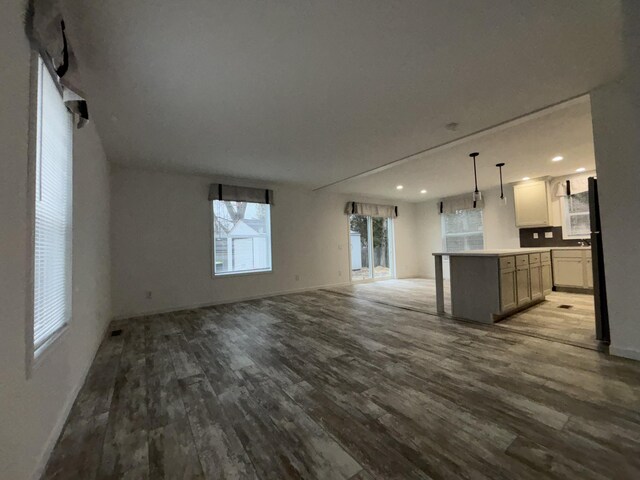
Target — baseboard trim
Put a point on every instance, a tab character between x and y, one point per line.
585	291
624	352
498	317
55	433
227	301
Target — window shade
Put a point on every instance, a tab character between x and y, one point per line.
459	202
234	193
577	184
52	255
370	209
45	28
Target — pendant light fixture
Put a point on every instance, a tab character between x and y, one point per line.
502	197
476	193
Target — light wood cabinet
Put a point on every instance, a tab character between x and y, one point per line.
508	289
507	262
572	268
568	272
535	276
547	278
531	201
489	286
522	280
523	285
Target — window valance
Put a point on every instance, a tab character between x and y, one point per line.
571	187
459	202
384	211
45	29
234	193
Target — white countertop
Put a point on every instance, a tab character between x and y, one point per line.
502	252
570	248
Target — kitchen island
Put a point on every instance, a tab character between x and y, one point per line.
489	285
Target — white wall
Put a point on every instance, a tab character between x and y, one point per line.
499	227
32	411
429	237
616	129
406	239
161	242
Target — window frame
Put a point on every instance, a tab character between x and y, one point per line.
566	219
35	356
444	235
212	250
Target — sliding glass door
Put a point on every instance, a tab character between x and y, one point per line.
371	240
381	251
359	240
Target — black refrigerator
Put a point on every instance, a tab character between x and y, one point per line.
599	285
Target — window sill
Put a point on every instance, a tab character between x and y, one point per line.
242	274
577	237
45	349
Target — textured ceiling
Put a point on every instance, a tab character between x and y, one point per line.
314	92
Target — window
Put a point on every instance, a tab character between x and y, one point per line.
575	216
462	230
52	213
370	239
241	237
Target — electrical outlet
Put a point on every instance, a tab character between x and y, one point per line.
548	234
297	278
339	273
535	235
148	294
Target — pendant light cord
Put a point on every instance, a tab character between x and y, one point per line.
476	193
500	165
475	173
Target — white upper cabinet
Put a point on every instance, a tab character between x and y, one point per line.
532	204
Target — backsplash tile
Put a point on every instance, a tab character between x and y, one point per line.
527	240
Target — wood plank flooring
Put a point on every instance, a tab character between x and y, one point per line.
417	294
329	386
575	325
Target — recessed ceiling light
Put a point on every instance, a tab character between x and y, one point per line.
423	191
399	187
557	159
581	169
526	178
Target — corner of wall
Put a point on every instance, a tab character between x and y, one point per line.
624	352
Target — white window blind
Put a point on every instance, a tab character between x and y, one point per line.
53	189
462	230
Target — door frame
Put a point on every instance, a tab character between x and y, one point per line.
391	250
